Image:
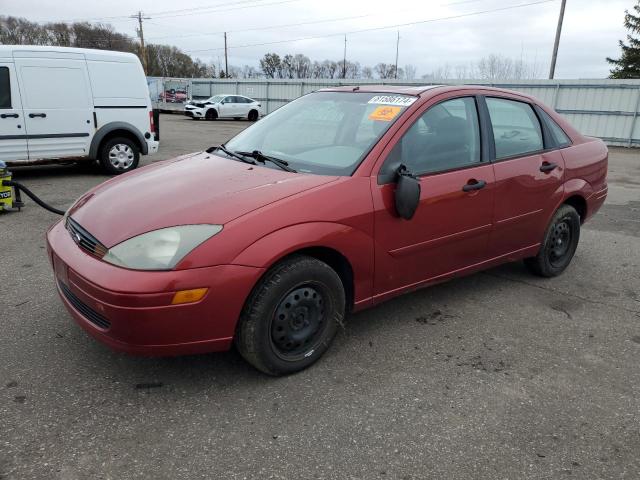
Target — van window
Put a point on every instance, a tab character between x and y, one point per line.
516	129
5	88
53	87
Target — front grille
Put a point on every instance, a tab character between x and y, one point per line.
188	113
84	239
89	313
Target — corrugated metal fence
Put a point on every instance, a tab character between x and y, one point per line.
608	109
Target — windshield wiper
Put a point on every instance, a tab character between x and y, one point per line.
231	154
261	157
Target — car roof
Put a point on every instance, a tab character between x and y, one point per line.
420	90
397	89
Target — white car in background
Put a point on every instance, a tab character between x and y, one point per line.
224	106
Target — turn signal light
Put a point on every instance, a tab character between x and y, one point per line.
188	296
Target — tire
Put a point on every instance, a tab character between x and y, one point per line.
119	155
559	245
253	116
211	114
291	316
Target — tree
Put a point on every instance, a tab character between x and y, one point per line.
270	65
385	70
628	65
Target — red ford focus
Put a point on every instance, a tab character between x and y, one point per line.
335	202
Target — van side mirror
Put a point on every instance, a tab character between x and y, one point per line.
407	194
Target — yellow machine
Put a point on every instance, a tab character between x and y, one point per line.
6	192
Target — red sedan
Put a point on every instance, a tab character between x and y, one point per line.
335	202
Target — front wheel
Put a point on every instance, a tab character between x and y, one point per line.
119	155
253	115
211	114
559	245
291	316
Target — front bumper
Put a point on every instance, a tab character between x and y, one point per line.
131	310
194	112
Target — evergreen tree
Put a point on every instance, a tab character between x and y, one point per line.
628	65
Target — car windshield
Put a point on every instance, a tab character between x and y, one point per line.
215	98
325	133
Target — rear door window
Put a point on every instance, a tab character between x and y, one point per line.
516	128
5	88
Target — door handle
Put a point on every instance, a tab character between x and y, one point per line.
547	167
34	115
474	185
9	115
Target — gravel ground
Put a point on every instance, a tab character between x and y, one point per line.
499	375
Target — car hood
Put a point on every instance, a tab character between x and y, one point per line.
201	188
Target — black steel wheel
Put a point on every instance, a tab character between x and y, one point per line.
291	316
298	321
211	114
253	115
559	245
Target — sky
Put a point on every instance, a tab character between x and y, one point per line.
442	32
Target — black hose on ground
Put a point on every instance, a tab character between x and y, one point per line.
32	196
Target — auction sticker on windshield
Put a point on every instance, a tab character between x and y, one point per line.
384	113
399	100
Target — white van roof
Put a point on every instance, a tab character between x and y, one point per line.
18	51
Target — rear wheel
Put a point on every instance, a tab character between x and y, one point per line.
253	115
119	155
291	316
559	245
211	114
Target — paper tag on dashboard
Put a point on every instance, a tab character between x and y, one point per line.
384	113
398	100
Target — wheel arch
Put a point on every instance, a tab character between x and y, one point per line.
578	202
349	252
116	129
576	192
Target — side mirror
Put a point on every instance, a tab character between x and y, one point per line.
407	193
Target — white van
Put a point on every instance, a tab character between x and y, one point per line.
74	103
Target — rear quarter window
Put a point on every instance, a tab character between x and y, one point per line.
516	128
561	138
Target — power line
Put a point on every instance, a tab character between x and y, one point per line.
310	22
386	27
217	10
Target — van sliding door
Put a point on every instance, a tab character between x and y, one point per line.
13	137
57	105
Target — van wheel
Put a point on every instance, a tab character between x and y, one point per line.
211	114
559	245
291	316
119	155
253	115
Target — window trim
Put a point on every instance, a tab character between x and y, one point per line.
10	107
386	178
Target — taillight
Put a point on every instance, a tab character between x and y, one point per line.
152	126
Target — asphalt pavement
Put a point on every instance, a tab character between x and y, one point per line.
500	375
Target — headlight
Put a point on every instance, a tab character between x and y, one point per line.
161	249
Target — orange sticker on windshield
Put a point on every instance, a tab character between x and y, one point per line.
384	113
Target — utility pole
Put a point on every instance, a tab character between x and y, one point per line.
226	64
344	59
397	47
143	51
552	71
